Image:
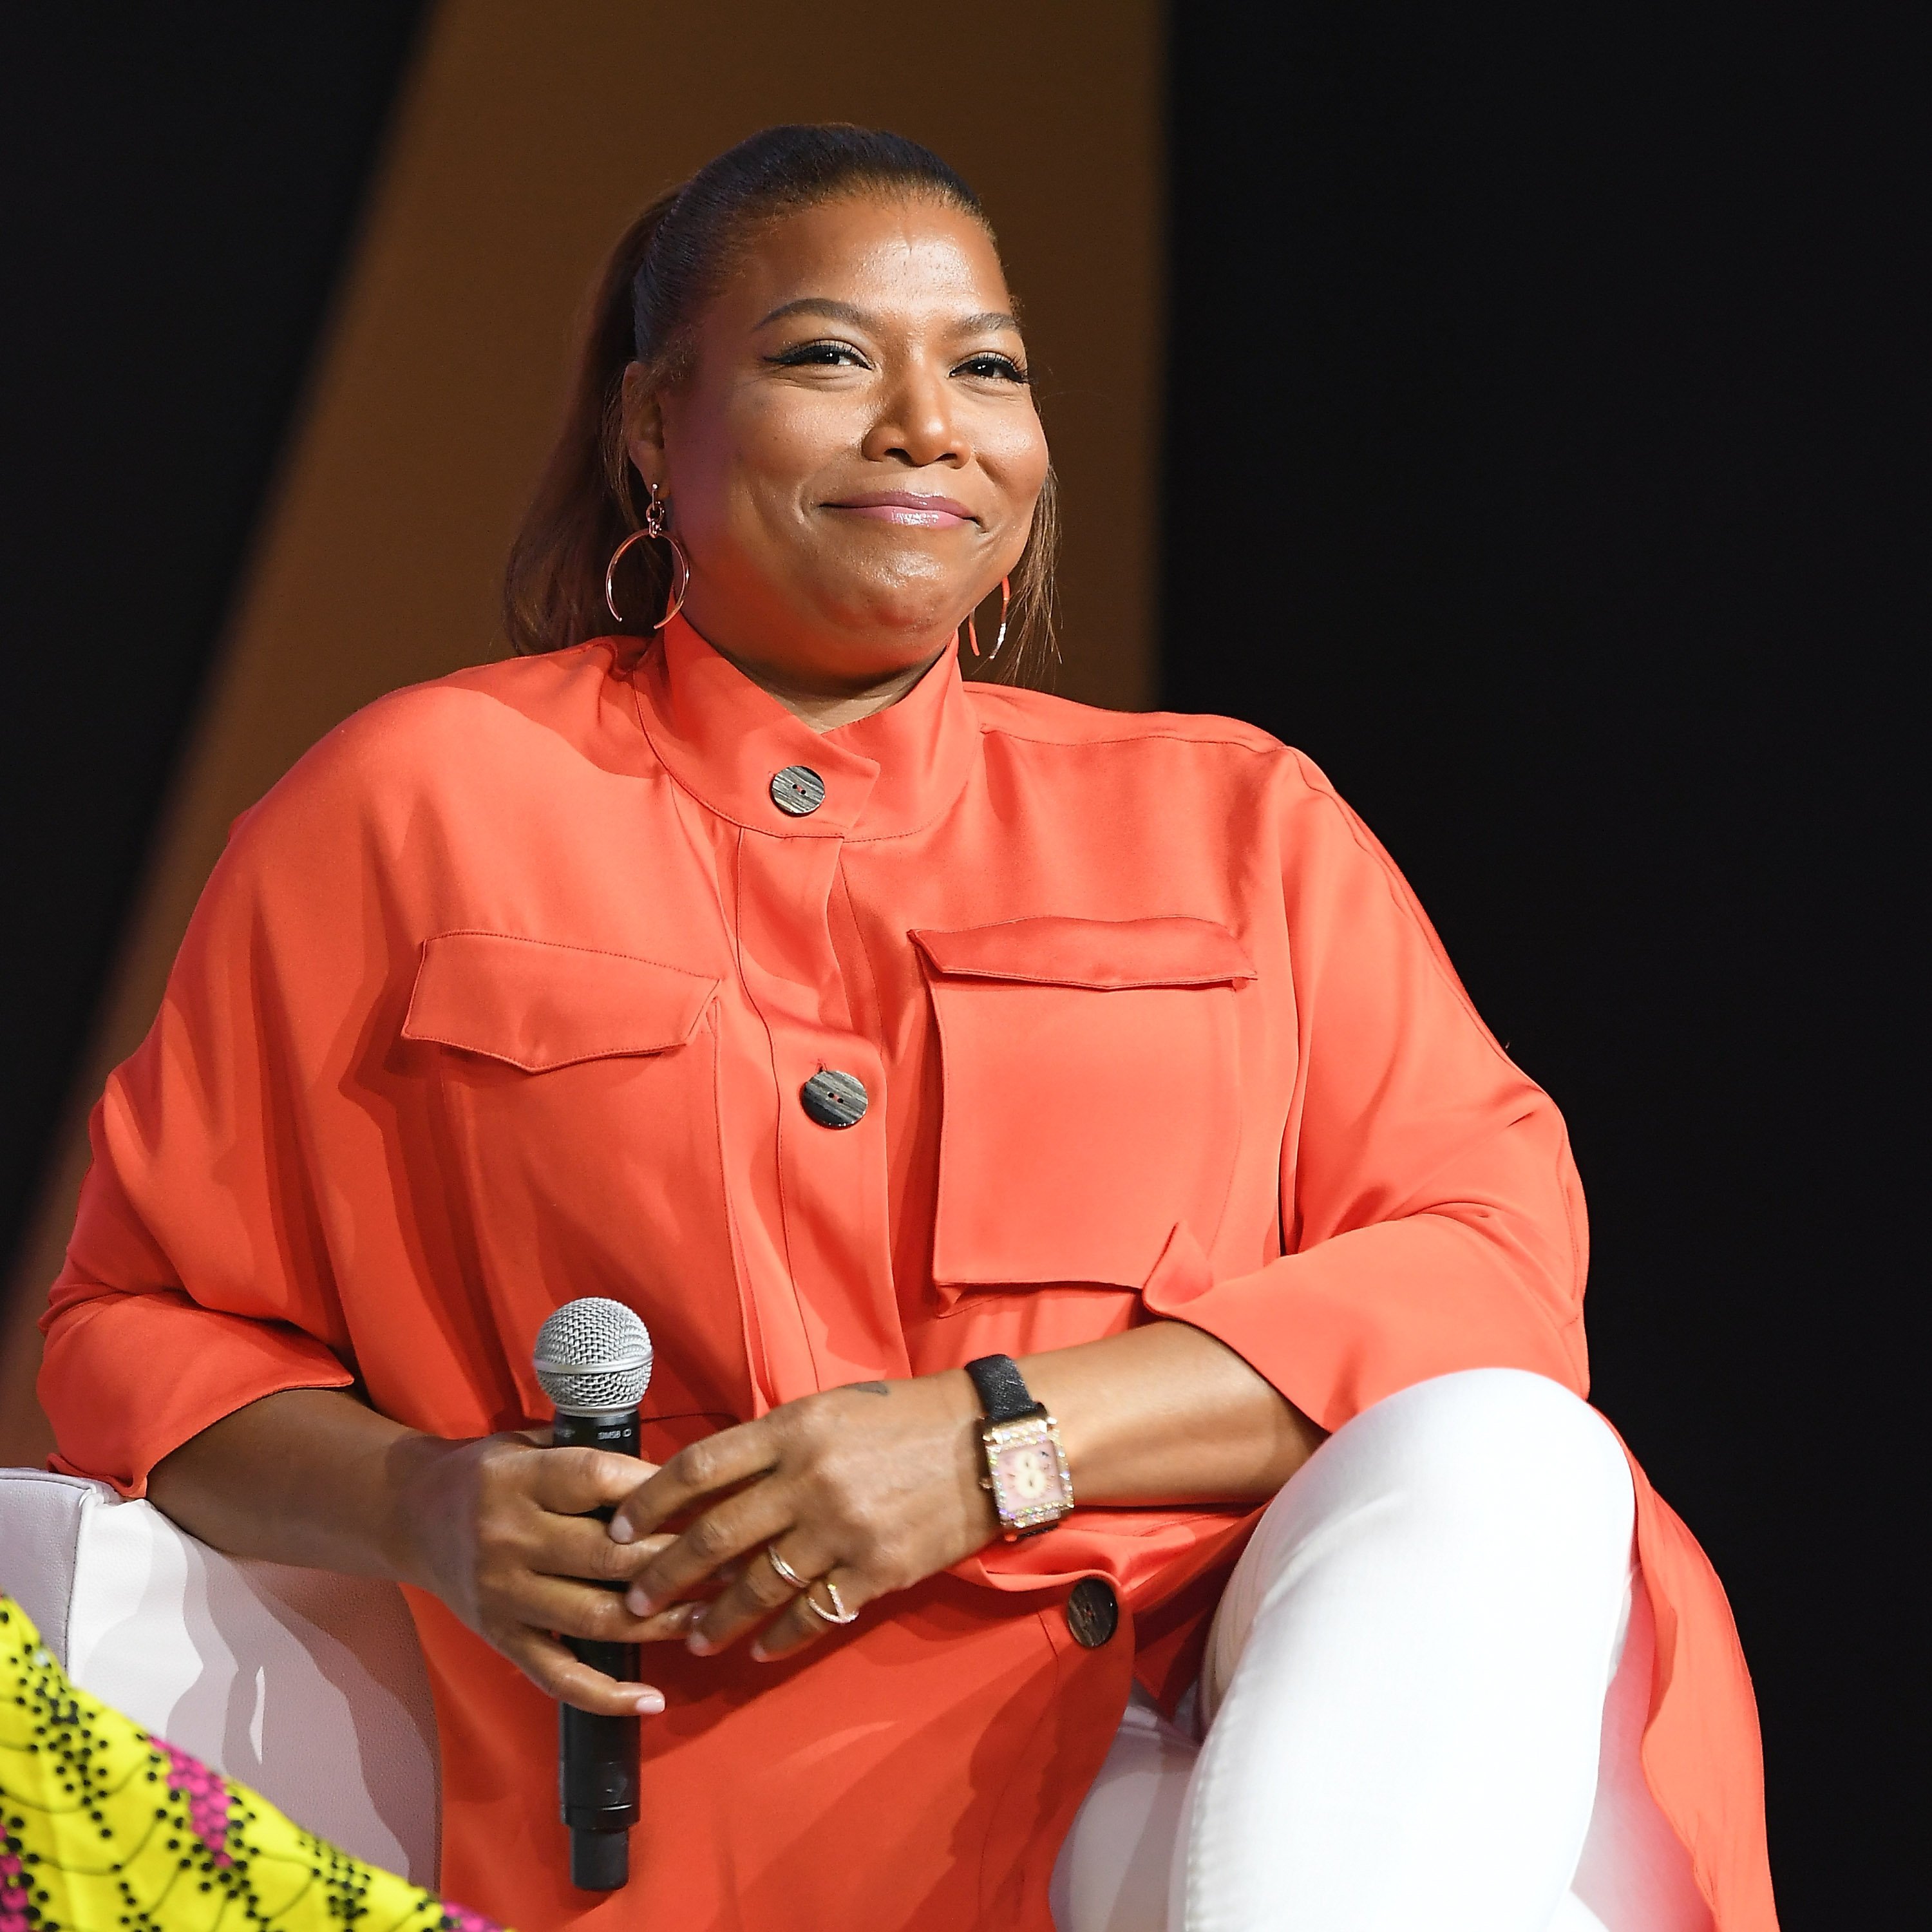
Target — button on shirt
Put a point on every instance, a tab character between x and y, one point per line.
834	1100
798	791
1093	1613
509	992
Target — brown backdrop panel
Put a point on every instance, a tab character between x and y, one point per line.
527	137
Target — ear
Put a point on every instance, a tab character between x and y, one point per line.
644	425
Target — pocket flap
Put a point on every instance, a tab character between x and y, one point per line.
537	1005
1104	954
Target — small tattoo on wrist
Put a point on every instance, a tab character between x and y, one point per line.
868	1388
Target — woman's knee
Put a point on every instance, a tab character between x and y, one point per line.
1488	1452
1483	1440
1450	1491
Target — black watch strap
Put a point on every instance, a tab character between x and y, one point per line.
1004	1393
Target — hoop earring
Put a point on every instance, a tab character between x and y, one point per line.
655	524
1006	605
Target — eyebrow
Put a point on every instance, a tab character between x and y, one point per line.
842	311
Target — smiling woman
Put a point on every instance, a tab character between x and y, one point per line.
898	397
991	1104
774	454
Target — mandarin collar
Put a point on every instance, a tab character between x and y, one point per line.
723	738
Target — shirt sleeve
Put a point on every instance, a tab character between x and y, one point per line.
1432	1219
197	1279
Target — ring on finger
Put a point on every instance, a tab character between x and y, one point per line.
787	1574
838	1613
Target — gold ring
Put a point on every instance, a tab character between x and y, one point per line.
838	1613
786	1574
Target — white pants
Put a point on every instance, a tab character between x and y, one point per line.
1422	1701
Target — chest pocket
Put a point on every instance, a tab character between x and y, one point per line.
536	1005
1092	1098
574	1091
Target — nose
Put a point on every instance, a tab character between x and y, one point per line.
916	425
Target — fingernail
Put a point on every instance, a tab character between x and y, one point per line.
621	1532
759	1653
640	1605
650	1704
699	1645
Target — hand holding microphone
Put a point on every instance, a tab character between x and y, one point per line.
861	1491
507	1534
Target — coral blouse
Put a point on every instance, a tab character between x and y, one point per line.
506	994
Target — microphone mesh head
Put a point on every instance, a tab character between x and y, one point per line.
593	1356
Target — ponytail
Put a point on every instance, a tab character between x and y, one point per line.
645	308
584	505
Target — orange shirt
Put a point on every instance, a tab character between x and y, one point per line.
505	994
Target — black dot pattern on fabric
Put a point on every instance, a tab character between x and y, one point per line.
106	1826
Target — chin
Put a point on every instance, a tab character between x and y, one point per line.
907	619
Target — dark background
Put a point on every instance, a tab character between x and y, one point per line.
181	184
1531	464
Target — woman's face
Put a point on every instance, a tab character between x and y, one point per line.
853	459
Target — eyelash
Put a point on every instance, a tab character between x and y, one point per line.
988	363
809	352
1007	369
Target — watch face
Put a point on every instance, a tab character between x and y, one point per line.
1028	1474
1030	1484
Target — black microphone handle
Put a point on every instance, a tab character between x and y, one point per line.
597	1756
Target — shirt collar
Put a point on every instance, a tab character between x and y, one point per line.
725	739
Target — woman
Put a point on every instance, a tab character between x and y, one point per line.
856	1025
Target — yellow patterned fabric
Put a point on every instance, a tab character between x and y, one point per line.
110	1829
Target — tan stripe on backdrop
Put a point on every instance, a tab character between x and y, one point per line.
526	137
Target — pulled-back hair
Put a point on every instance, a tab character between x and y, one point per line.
645	308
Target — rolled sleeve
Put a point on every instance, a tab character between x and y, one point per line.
1339	1326
1432	1219
134	1376
197	1280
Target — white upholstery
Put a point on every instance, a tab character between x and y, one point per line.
307	1686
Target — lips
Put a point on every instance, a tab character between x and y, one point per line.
906	507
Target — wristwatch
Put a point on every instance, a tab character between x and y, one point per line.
1026	1467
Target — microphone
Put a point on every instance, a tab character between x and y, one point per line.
593	1360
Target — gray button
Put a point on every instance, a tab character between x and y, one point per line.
798	790
1092	1611
834	1100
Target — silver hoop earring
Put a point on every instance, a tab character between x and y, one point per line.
655	525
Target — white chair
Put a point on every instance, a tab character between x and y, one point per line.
308	1687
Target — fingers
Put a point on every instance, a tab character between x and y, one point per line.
537	1558
551	1667
580	1547
757	1590
737	1527
799	1625
581	1609
574	1482
700	1469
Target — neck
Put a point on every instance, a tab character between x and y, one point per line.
826	710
